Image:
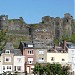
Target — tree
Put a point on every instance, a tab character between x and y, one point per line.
73	38
38	69
47	69
65	70
3	39
51	69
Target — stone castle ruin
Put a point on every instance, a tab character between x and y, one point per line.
41	34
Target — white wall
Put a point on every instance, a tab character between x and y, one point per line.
19	61
0	65
6	68
57	57
71	55
71	58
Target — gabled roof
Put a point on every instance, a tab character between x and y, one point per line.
9	46
16	52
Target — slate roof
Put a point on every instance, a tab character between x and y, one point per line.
25	44
9	46
16	52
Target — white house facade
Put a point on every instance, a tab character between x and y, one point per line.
19	62
61	58
0	65
71	56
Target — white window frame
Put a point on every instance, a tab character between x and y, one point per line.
30	51
30	60
40	59
6	51
8	58
9	67
41	51
30	45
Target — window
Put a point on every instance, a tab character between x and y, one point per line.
41	52
14	68
30	45
8	67
19	68
7	59
52	58
41	59
30	60
7	51
63	59
3	67
19	59
30	51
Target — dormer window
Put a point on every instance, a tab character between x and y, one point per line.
30	45
7	51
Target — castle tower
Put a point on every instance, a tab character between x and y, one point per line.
67	25
3	22
46	19
58	28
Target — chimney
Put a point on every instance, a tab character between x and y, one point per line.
64	44
54	46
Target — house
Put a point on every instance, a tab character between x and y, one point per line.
28	51
0	63
19	61
7	61
41	55
61	58
71	55
12	59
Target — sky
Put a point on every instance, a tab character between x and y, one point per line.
32	11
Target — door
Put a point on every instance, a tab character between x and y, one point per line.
27	69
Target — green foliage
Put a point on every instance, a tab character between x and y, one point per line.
16	39
56	41
38	69
51	69
73	27
3	39
71	39
16	73
35	26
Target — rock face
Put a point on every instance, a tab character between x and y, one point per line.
41	34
